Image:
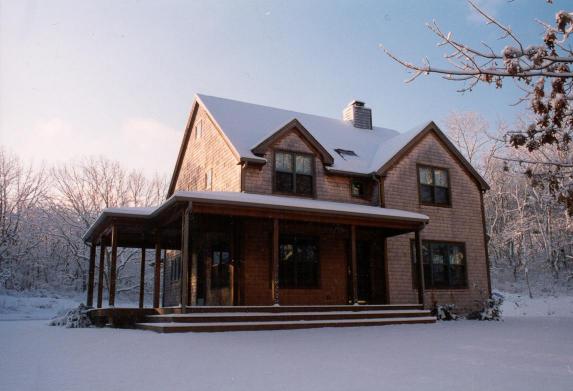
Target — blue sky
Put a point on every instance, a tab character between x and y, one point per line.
117	78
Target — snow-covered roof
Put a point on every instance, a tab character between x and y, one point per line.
246	125
262	201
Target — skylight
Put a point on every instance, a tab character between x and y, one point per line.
345	153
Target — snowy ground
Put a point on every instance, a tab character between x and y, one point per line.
524	352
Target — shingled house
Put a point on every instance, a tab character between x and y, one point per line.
274	211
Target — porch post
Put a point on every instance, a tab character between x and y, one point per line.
100	273
91	272
142	278
275	281
353	264
420	264
185	259
157	273
113	271
194	235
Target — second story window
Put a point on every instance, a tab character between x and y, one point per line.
199	130
294	173
434	186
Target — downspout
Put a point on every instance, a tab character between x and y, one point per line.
379	180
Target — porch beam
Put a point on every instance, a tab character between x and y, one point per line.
142	278
113	266
275	275
100	274
91	275
420	264
157	273
185	256
353	264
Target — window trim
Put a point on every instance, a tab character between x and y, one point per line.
439	287
316	240
419	166
293	154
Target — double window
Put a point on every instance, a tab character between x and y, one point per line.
434	185
294	173
298	262
220	260
444	264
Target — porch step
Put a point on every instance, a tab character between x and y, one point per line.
176	327
289	308
224	317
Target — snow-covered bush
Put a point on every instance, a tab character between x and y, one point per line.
74	318
445	312
491	309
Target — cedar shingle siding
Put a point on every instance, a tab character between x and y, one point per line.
462	222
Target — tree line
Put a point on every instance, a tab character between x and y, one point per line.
44	211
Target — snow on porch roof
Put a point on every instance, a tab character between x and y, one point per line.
246	125
262	201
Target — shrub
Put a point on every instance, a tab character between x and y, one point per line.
74	318
444	312
491	309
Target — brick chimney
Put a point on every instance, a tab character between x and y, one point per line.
358	114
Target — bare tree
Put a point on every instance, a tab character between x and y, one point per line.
22	190
542	71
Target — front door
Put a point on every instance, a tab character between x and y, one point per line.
363	271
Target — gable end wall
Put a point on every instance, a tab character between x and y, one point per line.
460	223
210	151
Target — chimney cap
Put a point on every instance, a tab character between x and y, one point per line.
355	102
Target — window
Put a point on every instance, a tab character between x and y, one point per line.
175	269
209	179
358	188
294	173
434	186
298	262
199	130
220	259
444	264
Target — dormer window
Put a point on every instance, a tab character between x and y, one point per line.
294	173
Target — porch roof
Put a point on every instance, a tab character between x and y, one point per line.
257	205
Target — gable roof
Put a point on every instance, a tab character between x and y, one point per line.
247	127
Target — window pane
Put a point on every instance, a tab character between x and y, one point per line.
442	195
283	161
298	266
284	182
225	257
441	177
456	255
303	165
357	189
427	193
304	184
216	258
426	176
